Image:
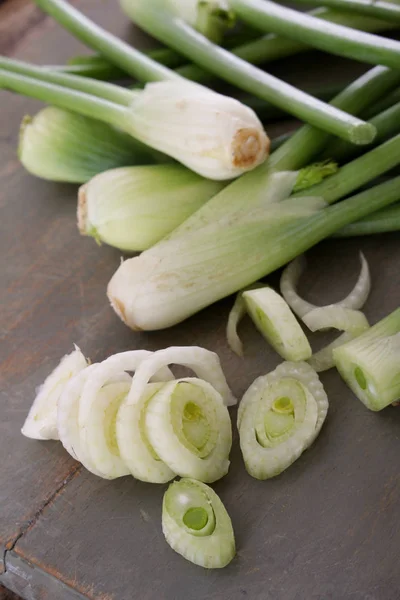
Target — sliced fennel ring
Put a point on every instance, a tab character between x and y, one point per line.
279	417
41	422
189	428
100	439
204	363
352	322
370	364
134	446
276	322
67	419
291	276
196	524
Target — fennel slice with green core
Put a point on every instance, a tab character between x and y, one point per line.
159	21
60	145
214	135
205	364
290	278
370	364
196	524
133	208
236	314
337	39
189	428
279	417
352	322
276	322
134	446
41	422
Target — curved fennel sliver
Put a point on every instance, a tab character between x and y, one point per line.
67	419
190	429
196	524
204	363
41	422
352	322
279	417
236	314
291	276
133	444
107	371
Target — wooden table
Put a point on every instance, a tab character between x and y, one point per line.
326	529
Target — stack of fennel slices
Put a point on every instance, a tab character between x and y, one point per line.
155	427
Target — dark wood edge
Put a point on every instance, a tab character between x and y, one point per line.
30	581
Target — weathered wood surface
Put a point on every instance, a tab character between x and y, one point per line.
326	529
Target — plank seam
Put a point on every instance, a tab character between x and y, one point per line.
10	545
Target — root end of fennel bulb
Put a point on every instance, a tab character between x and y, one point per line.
216	136
133	208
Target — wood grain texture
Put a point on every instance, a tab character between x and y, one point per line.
327	529
7	594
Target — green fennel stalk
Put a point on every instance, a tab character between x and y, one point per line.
262	50
336	39
238	256
211	56
158	21
383	221
379	9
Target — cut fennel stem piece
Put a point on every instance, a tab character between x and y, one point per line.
60	145
41	422
189	428
204	363
279	417
352	322
276	322
370	364
196	524
291	276
133	208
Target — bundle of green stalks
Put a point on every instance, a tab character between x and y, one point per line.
187	174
